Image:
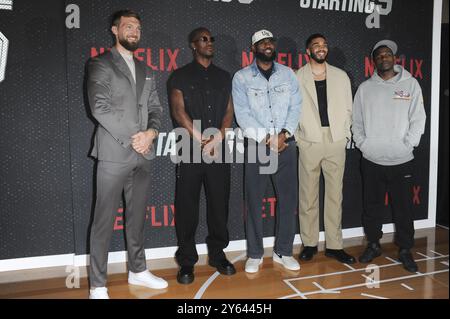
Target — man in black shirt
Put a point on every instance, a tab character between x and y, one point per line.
322	135
201	91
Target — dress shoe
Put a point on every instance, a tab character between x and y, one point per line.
223	266
307	253
146	279
185	275
407	260
372	251
99	293
340	255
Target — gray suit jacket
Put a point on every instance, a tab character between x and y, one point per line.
121	106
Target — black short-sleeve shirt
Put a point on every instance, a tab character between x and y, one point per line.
206	92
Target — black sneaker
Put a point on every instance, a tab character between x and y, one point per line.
405	257
372	251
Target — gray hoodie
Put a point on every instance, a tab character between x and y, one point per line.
388	118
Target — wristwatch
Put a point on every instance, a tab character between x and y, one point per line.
286	133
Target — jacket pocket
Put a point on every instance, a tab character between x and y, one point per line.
302	144
281	94
257	98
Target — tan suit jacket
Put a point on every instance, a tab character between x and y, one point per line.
339	95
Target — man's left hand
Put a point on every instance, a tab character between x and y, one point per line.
277	143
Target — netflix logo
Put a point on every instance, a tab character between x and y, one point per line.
415	196
412	65
293	61
165	216
157	217
161	59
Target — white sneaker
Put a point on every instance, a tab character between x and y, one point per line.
288	262
146	279
252	265
98	293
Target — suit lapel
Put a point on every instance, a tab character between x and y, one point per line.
331	84
123	67
310	85
140	77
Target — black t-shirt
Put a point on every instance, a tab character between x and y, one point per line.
267	73
206	92
321	89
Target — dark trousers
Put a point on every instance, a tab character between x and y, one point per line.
216	179
286	190
397	180
112	179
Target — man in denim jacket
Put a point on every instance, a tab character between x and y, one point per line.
267	102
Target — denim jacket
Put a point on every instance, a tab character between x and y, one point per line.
266	107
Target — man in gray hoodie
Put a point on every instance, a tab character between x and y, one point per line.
388	121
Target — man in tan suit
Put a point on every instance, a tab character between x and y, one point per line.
322	135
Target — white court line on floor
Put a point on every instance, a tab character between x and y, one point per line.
206	284
298	292
325	291
373	296
348	266
435	252
350	271
377	282
393	260
423	255
289	296
418	274
445	263
407	287
368	278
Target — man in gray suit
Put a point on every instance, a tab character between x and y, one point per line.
123	99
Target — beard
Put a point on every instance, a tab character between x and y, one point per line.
263	57
317	59
206	55
130	46
384	67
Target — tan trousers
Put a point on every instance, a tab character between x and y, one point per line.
327	157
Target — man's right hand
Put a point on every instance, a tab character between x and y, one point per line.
142	141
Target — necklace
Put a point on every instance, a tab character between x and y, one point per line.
318	74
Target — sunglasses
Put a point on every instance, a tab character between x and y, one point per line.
206	39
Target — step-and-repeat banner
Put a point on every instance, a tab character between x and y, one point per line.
46	176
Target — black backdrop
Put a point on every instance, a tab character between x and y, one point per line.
47	178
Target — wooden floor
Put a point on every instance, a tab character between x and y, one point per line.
321	278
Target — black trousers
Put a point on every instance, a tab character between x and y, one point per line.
397	180
216	179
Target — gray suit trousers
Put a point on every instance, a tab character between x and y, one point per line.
112	179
